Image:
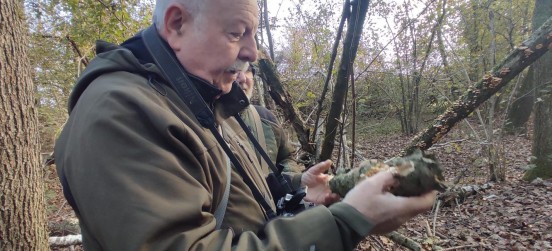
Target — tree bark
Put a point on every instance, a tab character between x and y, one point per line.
522	106
525	98
22	205
268	32
530	50
282	98
542	139
354	31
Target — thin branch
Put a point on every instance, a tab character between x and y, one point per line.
110	8
82	57
354	100
530	50
344	16
461	247
267	28
393	38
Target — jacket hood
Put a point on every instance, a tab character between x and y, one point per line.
132	56
109	58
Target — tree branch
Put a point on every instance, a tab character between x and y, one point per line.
283	99
523	56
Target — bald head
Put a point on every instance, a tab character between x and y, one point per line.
213	43
193	6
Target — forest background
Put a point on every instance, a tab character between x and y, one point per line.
413	60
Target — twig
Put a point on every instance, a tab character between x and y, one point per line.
460	247
60	208
428	229
404	241
435	215
378	244
442	236
446	144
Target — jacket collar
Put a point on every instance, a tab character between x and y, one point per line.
233	102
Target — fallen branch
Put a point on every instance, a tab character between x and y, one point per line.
66	226
404	241
530	50
457	196
523	56
464	247
64	241
282	98
417	174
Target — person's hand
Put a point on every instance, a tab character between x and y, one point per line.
318	189
385	210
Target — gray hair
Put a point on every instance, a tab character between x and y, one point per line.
193	6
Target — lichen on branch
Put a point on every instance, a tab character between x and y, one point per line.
417	173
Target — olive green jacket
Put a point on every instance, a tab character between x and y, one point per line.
275	142
145	175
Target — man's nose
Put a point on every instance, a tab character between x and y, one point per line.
248	51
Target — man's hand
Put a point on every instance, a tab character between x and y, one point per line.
387	212
316	180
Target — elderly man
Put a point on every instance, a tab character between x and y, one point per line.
266	128
144	173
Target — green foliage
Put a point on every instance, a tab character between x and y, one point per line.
63	39
389	56
369	128
302	61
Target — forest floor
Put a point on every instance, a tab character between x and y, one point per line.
511	215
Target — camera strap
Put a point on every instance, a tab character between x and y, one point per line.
277	171
172	69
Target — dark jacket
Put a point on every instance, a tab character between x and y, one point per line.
145	175
275	142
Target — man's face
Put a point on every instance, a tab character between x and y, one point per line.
247	84
218	42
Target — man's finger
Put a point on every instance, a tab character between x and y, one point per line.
383	179
422	203
321	167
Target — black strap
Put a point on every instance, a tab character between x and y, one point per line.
179	80
277	171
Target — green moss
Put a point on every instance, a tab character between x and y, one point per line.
541	170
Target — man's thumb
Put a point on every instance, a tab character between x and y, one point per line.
321	167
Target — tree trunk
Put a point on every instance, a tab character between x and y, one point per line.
283	100
344	16
542	138
354	31
530	50
542	141
473	26
22	205
522	106
496	169
417	113
268	32
525	98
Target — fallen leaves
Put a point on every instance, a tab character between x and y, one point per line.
512	215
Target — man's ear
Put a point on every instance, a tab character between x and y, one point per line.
177	20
